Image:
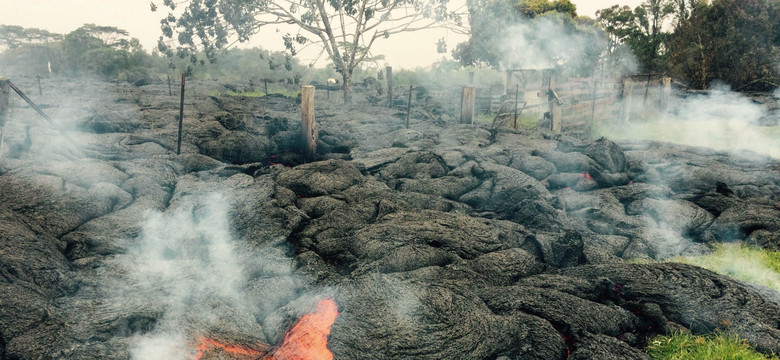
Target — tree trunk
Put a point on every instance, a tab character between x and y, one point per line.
347	81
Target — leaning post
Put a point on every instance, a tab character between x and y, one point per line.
467	105
308	125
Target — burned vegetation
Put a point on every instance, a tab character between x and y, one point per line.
437	241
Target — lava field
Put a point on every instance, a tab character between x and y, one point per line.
440	241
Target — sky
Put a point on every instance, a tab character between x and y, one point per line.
63	16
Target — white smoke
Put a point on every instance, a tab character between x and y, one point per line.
720	119
539	44
186	260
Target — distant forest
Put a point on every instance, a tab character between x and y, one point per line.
698	42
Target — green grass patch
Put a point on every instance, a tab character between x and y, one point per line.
741	262
738	261
686	346
255	94
524	121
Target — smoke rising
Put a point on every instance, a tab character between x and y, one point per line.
742	263
547	42
187	261
720	119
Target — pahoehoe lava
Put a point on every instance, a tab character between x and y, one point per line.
442	241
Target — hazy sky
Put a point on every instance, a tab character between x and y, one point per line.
63	16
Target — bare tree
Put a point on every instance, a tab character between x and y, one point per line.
344	29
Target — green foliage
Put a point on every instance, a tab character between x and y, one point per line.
725	36
686	346
13	37
245	65
345	29
731	41
533	8
447	74
104	51
642	30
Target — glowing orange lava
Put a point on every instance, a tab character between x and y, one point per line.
308	339
211	346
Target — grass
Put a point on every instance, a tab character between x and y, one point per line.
524	121
686	346
255	94
741	262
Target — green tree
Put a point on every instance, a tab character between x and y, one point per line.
618	23
733	41
345	29
12	36
643	30
106	51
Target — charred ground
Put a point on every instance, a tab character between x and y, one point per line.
441	241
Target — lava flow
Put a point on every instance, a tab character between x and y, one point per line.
307	340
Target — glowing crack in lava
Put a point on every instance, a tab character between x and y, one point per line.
307	340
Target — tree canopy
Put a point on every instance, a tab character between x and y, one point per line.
12	37
344	29
730	41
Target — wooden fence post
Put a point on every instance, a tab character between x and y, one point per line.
309	124
5	92
647	89
508	83
589	127
471	78
555	107
181	116
666	93
517	95
40	90
467	105
389	78
628	91
409	106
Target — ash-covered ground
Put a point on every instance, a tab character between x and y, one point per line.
442	241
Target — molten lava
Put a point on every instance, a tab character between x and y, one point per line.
308	339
